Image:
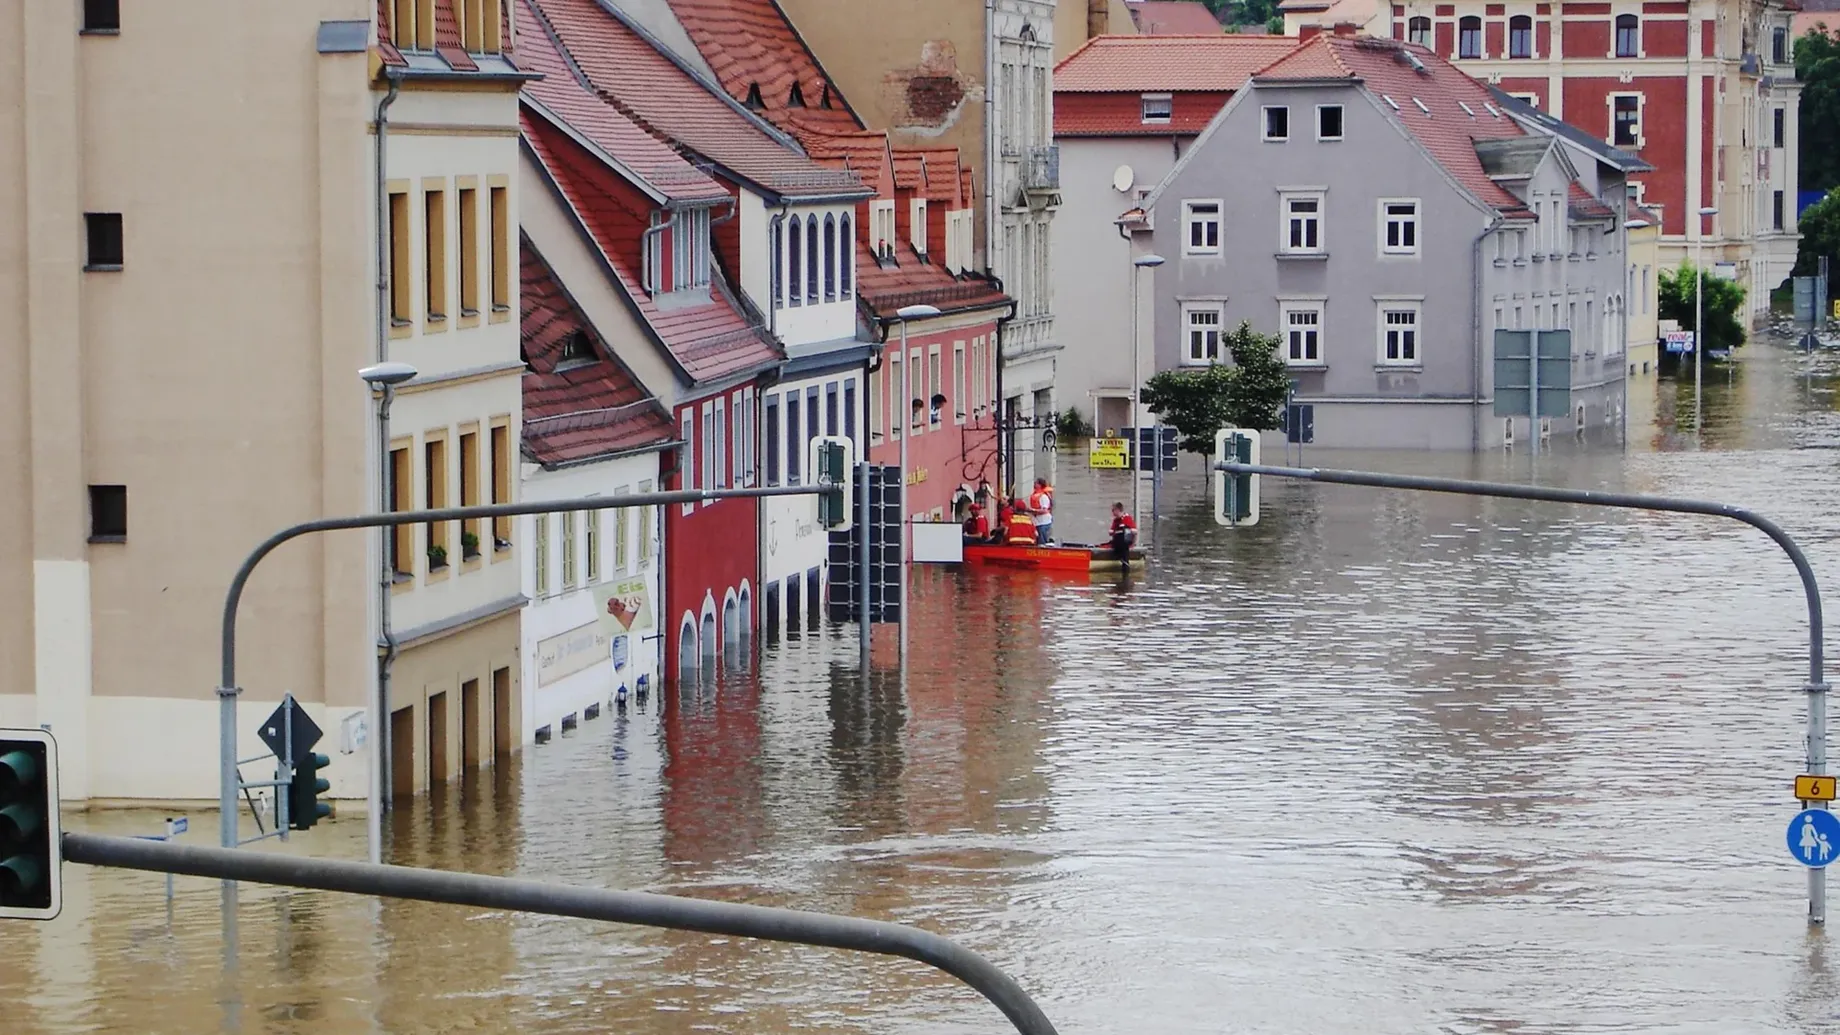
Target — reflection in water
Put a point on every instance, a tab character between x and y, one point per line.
1445	764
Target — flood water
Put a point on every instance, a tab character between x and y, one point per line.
1383	763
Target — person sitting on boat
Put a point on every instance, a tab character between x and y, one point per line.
1021	526
999	529
1041	509
1124	535
977	526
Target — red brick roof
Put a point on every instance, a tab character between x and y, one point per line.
1173	17
885	290
567	97
864	153
1166	64
1584	205
673	104
709	340
577	409
754	50
1447	131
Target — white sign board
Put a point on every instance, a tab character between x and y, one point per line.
938	542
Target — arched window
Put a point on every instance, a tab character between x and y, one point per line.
846	256
830	258
1418	31
1520	36
1628	35
794	243
1469	37
811	260
686	651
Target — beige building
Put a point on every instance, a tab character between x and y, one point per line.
192	283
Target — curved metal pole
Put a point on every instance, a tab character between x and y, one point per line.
228	691
767	923
1816	687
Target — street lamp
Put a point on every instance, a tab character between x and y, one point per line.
383	379
1138	265
904	314
1699	309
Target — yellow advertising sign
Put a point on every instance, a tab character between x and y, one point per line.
623	606
1814	788
1109	454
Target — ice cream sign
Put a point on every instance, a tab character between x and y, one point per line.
623	606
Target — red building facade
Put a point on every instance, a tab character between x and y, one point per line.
1706	93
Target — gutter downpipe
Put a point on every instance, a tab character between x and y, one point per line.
1003	435
992	216
776	279
377	793
645	246
1475	359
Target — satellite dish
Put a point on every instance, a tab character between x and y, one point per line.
1122	178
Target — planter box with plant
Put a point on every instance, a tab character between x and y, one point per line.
469	546
437	558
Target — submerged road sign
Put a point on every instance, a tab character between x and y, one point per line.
1814	837
1814	788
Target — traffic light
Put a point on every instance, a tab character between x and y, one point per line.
1236	496
304	806
832	463
31	879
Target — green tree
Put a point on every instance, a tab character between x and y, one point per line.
1199	401
1724	303
1820	230
1817	65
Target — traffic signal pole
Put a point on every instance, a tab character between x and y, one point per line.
1816	688
230	780
798	927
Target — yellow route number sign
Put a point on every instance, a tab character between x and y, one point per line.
1111	453
1814	788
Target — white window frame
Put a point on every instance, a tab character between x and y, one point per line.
1641	118
881	227
961	390
1189	311
1384	306
1285	199
1315	306
1265	123
1532	99
1320	108
1429	39
1190	218
1387	220
1167	101
687	425
916	224
935	363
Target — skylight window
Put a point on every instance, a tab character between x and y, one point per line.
1492	109
1391	103
1421	105
1467	110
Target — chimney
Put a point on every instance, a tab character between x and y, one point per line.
1098	18
1305	33
1347	28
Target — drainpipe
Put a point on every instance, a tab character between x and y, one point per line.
645	247
379	791
1475	316
777	279
992	211
1003	454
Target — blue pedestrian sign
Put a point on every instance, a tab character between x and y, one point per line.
1814	837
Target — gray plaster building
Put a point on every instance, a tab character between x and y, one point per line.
1382	213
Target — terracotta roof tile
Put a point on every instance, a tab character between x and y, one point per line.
446	37
1134	64
864	153
885	290
709	340
576	409
1584	205
666	99
567	98
1405	74
1173	17
753	49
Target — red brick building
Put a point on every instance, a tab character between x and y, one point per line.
1705	92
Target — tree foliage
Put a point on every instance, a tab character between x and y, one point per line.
1817	65
1820	229
1199	401
1724	303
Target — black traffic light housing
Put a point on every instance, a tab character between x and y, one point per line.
832	463
31	878
304	806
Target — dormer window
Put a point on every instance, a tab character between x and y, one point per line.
916	224
825	100
481	24
1158	108
576	349
796	99
753	100
686	268
881	229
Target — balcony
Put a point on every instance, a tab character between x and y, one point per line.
1750	65
1041	169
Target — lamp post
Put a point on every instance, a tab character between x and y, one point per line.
1138	265
1699	310
383	379
904	314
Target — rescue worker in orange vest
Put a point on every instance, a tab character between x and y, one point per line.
977	526
1020	526
1041	505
